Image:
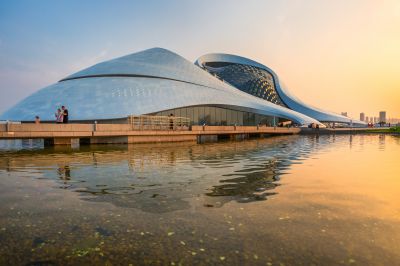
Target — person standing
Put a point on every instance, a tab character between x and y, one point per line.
59	116
65	114
171	121
37	120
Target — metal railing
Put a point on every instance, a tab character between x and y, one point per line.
152	122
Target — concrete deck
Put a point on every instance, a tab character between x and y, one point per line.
65	134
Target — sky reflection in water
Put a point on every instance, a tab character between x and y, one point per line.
278	200
159	177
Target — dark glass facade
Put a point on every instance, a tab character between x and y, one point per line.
218	116
250	79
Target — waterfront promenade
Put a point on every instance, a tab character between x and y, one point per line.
70	134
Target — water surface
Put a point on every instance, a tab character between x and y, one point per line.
281	200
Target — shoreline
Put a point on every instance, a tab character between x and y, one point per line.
306	131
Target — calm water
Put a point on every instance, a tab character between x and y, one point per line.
299	200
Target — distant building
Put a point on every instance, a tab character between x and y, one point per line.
344	113
382	116
366	119
362	117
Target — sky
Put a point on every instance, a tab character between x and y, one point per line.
337	55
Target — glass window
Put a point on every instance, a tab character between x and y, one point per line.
240	118
245	119
229	116
252	119
183	112
233	117
223	117
267	120
258	119
218	116
207	116
202	119
189	114
196	115
212	116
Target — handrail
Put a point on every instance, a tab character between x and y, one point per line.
152	122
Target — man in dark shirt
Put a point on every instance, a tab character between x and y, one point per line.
65	112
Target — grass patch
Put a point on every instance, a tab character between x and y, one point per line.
387	130
395	129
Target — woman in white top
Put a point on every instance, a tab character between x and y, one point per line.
59	116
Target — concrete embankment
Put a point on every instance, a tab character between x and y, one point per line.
75	134
346	131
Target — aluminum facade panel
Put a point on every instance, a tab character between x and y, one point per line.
171	82
289	100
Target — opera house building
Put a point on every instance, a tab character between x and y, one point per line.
219	89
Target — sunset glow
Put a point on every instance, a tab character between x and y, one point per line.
340	55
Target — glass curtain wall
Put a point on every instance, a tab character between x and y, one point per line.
250	79
217	116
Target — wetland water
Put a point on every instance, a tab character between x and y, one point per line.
299	200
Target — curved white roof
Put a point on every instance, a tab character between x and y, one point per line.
291	101
146	82
155	62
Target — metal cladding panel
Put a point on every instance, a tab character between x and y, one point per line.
108	98
146	82
155	62
291	101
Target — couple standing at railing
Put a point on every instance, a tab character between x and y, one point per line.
61	115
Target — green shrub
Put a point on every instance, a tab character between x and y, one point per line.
395	129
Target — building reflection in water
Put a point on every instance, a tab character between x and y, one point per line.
64	174
165	177
350	141
382	142
397	138
251	186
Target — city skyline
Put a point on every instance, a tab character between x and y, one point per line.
341	55
376	119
